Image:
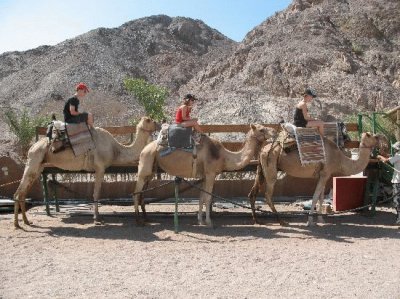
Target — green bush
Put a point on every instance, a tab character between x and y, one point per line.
150	96
24	127
357	49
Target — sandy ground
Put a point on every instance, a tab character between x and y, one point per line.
66	256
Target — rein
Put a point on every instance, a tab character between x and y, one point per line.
145	130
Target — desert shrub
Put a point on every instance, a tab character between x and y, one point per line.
23	126
150	96
357	49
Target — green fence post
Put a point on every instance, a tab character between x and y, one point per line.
373	123
54	190
176	222
45	193
360	125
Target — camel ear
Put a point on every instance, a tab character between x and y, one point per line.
253	127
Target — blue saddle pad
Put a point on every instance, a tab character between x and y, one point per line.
179	137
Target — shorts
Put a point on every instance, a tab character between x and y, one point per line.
299	123
76	119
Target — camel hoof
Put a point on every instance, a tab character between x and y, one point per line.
258	222
310	223
140	223
283	223
210	224
17	226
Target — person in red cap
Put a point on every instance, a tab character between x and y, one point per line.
71	113
182	115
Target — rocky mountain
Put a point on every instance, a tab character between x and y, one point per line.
348	50
163	50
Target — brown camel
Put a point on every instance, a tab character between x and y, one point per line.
273	159
212	159
107	152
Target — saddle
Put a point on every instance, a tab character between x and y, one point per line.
57	135
175	136
65	135
286	138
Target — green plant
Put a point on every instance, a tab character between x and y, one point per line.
24	127
357	49
150	96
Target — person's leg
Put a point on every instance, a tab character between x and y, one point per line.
90	120
192	123
87	118
316	124
396	200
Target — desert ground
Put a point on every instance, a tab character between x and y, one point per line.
353	255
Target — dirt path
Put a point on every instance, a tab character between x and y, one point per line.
66	256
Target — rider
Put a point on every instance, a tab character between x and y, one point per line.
183	113
301	116
71	113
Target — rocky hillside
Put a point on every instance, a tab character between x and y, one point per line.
348	50
163	50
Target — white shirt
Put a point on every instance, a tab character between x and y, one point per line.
395	160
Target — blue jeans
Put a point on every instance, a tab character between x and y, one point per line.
396	198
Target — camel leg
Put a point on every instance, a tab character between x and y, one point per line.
31	173
138	199
145	174
200	220
320	218
317	194
141	200
258	182
99	176
209	184
270	173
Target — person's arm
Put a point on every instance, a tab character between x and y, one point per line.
72	110
73	106
305	112
184	112
382	158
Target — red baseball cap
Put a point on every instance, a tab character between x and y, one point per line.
82	86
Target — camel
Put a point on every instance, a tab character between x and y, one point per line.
272	159
107	152
212	159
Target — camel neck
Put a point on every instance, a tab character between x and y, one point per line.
238	160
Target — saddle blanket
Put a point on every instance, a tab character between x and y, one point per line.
80	138
175	137
333	132
310	145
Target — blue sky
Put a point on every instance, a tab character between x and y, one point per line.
27	24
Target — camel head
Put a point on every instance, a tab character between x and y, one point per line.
383	145
371	141
148	125
261	133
